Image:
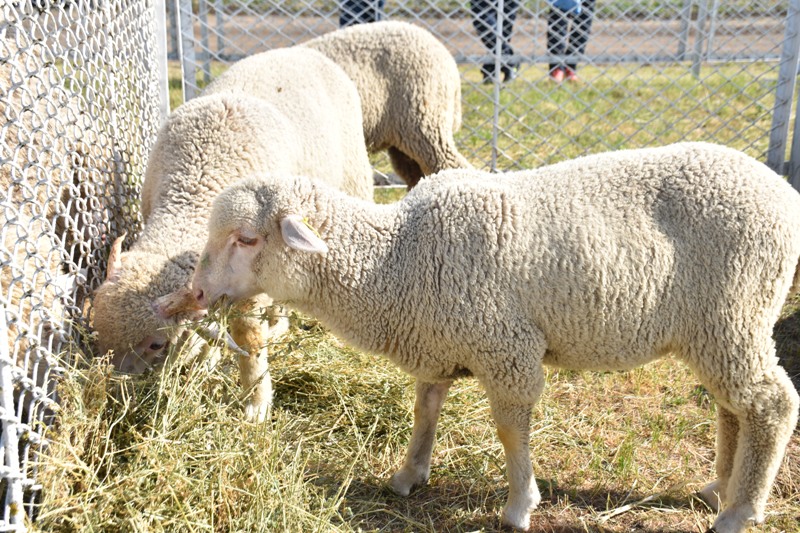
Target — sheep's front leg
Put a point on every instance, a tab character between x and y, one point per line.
513	427
247	332
417	467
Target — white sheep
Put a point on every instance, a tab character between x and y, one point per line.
410	91
605	262
287	110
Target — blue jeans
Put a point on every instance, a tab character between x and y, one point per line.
360	11
484	19
568	33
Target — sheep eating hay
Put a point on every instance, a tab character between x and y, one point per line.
605	262
253	118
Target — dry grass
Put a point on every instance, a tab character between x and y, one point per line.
612	451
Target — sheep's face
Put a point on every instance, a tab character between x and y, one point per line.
226	267
137	313
254	242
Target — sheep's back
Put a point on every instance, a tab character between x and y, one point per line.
391	63
620	257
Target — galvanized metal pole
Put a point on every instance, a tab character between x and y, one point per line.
793	169
10	449
498	52
784	92
205	43
187	52
686	24
161	56
219	15
699	38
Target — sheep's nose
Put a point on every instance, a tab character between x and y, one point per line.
201	298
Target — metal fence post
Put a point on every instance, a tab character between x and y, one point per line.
188	58
699	38
686	24
219	14
205	43
498	52
793	169
162	55
10	449
784	94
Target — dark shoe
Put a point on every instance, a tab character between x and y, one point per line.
510	73
487	71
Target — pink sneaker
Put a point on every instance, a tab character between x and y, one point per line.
557	75
571	75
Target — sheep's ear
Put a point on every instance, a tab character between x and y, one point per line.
299	235
180	301
115	259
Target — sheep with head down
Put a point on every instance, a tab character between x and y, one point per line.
254	118
605	262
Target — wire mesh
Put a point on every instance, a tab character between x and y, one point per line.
636	72
80	105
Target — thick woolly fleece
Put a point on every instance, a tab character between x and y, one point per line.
604	262
410	92
256	117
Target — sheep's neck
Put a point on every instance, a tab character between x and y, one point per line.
358	276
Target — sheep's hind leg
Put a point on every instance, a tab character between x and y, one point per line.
513	427
767	416
417	467
715	492
405	166
247	332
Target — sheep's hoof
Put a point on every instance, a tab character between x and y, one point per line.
256	412
710	495
406	479
518	519
736	519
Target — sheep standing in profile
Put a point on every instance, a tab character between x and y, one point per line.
410	91
255	117
605	262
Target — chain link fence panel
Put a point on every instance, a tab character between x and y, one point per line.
80	100
635	72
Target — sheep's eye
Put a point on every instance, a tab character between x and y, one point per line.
246	241
156	346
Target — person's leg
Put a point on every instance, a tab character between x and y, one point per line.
510	9
579	33
557	25
483	20
360	11
350	12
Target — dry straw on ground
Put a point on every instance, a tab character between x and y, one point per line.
613	452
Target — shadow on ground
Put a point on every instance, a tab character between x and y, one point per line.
452	506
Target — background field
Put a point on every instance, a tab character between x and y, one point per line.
614	452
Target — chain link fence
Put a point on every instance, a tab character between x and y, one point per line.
651	72
80	101
83	90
